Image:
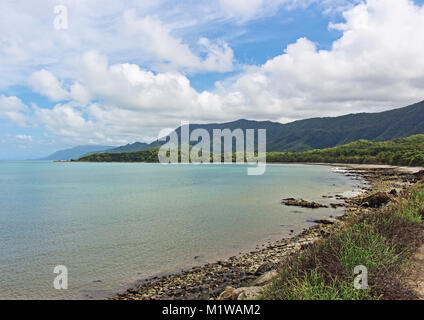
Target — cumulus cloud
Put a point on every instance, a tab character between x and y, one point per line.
376	64
46	83
134	102
12	108
63	120
142	36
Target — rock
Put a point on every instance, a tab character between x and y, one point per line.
227	294
337	205
265	278
264	268
248	293
302	203
240	294
419	175
325	221
376	200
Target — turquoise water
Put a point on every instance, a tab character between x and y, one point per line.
111	224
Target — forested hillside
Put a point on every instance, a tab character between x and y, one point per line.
402	151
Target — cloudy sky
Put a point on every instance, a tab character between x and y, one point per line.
78	72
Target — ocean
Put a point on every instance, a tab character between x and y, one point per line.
112	224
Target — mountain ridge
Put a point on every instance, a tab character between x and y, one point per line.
315	133
326	132
76	152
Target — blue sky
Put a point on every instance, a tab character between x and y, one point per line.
119	72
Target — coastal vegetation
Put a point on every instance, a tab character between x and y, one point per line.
383	241
401	151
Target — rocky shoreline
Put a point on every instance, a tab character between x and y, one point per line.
244	276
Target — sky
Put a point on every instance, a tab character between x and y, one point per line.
79	72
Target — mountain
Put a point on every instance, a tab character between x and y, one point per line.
138	146
320	133
76	152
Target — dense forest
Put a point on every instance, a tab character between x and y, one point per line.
401	151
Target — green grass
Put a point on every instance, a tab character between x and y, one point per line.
382	241
411	208
362	245
294	284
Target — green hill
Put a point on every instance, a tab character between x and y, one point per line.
401	151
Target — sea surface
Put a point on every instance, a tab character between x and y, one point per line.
112	224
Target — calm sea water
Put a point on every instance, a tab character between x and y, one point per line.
111	224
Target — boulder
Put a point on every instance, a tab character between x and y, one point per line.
249	293
419	175
227	294
337	205
245	293
267	266
265	278
376	200
325	221
302	203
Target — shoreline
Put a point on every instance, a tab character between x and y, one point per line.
254	269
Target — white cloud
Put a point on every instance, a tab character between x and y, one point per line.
135	103
12	108
63	120
243	11
156	38
34	43
377	64
45	83
24	137
244	8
